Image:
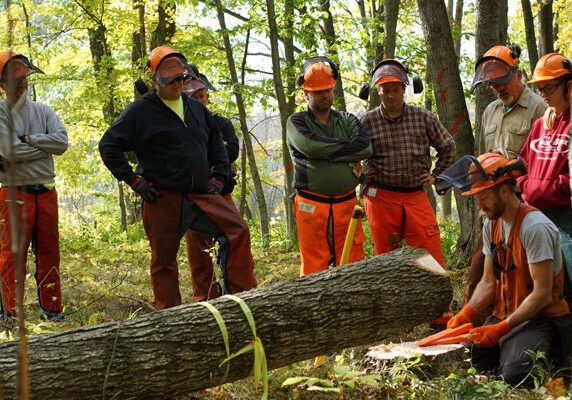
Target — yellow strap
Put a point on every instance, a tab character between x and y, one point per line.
223	331
260	370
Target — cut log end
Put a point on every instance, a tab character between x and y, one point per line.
428	263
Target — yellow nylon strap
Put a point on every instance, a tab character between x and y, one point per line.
223	331
260	369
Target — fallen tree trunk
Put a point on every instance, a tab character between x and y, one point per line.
179	350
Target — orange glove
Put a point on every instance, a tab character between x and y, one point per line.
489	335
466	314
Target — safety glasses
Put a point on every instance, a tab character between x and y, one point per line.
169	80
548	89
502	255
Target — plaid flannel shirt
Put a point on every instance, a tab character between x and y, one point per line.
401	146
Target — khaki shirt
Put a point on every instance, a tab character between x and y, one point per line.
507	130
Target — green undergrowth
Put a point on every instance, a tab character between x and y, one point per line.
105	277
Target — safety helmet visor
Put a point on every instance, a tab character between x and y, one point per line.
18	68
389	73
194	85
465	172
172	69
493	71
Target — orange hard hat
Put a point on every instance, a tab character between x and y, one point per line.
23	68
551	66
508	54
496	168
389	70
318	76
159	53
496	65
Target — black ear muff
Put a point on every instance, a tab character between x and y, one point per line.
300	80
364	91
567	64
514	169
515	50
417	85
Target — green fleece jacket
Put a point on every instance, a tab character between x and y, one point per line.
323	154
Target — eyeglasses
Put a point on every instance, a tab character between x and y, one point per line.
504	253
548	89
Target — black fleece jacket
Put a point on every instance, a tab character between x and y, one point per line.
173	155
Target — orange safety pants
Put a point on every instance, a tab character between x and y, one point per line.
37	216
322	223
200	259
394	216
166	221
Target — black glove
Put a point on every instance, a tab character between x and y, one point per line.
145	189
214	186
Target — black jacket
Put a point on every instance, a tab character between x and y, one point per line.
226	128
173	155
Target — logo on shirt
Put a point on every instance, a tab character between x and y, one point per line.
550	144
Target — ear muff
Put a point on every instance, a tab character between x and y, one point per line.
313	60
514	169
515	50
567	64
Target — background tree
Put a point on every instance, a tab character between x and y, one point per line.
545	28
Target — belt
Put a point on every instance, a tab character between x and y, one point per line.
399	189
327	199
33	189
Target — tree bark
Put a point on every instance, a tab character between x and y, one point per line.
258	190
451	104
166	26
178	350
545	31
286	103
332	41
458	25
530	34
376	49
391	14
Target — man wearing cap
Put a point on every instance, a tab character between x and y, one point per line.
182	168
30	135
396	204
325	145
198	245
506	121
523	276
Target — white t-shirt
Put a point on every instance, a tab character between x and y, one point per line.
538	235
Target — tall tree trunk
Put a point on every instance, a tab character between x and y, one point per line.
546	29
450	105
331	41
377	51
458	24
530	34
166	26
288	41
170	353
243	188
391	16
502	14
258	190
286	106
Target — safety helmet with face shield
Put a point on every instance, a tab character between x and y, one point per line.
472	174
14	67
168	65
497	65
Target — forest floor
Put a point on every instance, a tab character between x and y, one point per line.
105	278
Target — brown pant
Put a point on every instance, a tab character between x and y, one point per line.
165	223
200	259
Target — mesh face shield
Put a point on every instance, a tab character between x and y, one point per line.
18	68
170	70
462	174
389	73
492	70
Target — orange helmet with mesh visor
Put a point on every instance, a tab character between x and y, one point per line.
497	65
551	66
474	174
389	70
16	66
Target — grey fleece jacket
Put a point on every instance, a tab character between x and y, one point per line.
32	163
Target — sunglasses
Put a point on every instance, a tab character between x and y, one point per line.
172	79
501	253
548	89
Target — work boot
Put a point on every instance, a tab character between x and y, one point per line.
52	316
